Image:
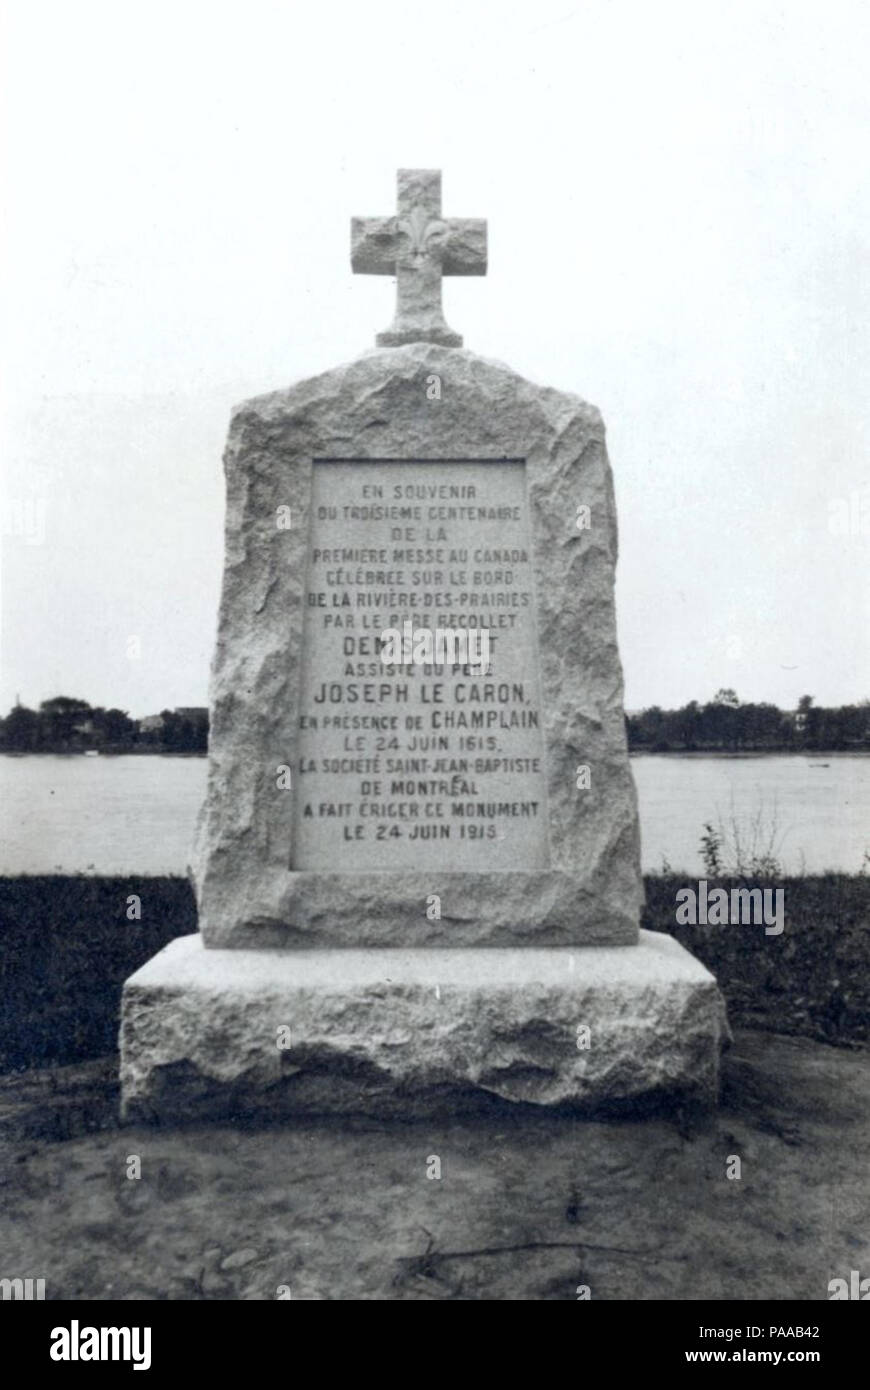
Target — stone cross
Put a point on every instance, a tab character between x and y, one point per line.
418	246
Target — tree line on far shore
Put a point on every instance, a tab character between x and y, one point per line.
725	725
66	725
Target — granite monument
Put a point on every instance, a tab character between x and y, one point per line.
419	850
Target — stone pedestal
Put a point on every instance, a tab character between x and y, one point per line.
405	1032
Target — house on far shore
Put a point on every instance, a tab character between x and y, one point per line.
152	727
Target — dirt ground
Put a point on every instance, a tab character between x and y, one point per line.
527	1205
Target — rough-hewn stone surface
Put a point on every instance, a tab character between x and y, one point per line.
389	1031
377	407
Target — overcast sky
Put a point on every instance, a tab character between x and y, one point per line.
679	222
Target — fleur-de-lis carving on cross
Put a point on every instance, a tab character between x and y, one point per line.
418	246
420	228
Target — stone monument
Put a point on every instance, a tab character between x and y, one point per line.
418	873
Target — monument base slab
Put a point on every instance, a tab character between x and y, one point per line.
209	1033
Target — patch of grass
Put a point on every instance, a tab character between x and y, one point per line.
812	981
66	948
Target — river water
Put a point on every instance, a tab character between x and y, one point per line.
134	814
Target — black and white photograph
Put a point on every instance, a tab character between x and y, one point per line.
435	669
